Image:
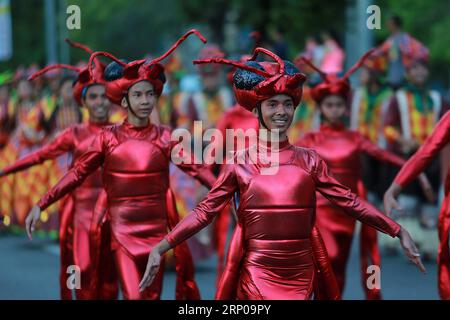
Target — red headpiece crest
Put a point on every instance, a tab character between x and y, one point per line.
139	70
332	84
84	77
254	82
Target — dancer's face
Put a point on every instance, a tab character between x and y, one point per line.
142	98
333	109
277	112
96	102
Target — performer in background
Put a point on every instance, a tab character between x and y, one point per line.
435	143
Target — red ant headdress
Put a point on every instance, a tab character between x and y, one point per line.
332	84
136	71
254	82
84	78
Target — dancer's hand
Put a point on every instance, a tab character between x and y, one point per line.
31	220
390	201
153	263
410	249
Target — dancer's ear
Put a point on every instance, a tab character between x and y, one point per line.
124	102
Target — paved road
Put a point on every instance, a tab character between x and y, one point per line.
29	270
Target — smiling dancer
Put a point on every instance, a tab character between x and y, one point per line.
77	210
277	203
134	157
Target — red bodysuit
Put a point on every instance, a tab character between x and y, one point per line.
341	149
76	215
277	216
234	118
415	165
135	173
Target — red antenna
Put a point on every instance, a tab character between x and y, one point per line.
236	64
79	46
174	46
358	64
309	63
105	54
278	60
51	67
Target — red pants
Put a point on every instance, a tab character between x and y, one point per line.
131	270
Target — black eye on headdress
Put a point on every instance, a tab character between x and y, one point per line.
113	71
247	80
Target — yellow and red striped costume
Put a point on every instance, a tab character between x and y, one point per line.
413	114
29	186
368	113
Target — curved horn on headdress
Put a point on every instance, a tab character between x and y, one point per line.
358	64
277	59
176	44
79	46
105	54
51	67
236	64
322	74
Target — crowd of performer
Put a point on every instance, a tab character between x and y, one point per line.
86	156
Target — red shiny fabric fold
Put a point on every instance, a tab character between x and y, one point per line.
65	245
413	167
221	226
326	287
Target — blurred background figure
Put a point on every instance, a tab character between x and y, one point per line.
412	114
334	55
400	48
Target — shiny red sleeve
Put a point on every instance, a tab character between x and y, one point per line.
376	152
434	143
217	198
354	206
60	145
82	168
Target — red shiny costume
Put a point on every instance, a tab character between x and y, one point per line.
277	215
234	118
341	149
76	212
76	215
413	167
135	173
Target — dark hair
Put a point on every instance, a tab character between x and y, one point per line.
113	71
396	20
247	80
